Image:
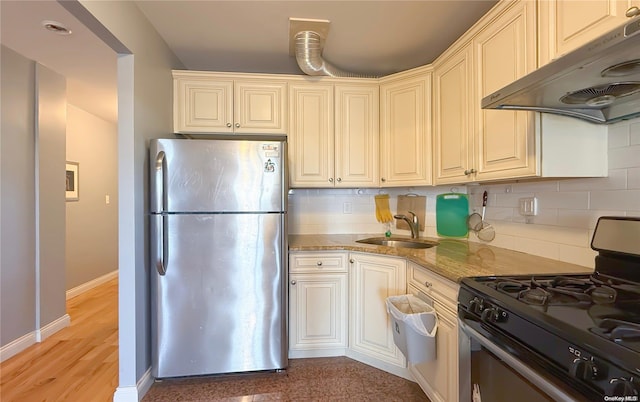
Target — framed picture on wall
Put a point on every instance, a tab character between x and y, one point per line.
72	189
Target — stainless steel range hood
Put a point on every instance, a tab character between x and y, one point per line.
598	82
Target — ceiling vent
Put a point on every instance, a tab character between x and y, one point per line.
306	42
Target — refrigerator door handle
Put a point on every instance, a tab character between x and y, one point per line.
162	245
158	180
159	205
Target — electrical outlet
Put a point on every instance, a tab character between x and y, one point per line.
528	206
346	208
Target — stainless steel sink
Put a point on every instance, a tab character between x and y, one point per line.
402	243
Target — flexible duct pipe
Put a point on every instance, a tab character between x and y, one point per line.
308	50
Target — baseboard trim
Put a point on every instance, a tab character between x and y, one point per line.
135	393
16	346
426	387
126	394
145	383
329	352
379	364
78	290
53	327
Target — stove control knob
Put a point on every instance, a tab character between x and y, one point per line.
584	369
493	314
475	305
625	387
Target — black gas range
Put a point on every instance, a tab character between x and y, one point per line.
580	333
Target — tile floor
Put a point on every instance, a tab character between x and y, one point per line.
319	379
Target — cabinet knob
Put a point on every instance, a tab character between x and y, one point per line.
331	180
428	284
319	263
339	179
383	179
632	12
469	171
351	260
237	125
293	282
228	124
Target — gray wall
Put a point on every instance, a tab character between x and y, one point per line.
32	211
92	224
51	112
145	111
17	195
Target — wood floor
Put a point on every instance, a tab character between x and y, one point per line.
78	363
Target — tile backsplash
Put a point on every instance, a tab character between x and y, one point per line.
568	209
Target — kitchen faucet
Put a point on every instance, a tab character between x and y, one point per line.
414	224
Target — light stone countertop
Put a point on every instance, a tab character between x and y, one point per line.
451	258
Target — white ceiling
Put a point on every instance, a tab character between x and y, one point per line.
366	37
88	64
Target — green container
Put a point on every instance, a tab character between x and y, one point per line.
452	210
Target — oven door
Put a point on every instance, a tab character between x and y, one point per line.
496	375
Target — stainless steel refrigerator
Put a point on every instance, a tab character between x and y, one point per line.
219	256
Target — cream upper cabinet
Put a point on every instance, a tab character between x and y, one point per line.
472	144
357	135
333	137
503	51
405	129
225	103
373	278
311	135
567	25
453	117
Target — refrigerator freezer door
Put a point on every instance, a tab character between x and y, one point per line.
220	307
217	175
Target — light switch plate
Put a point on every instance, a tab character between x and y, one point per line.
528	206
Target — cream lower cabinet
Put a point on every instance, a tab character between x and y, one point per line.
373	278
333	138
439	378
317	304
205	102
405	129
567	25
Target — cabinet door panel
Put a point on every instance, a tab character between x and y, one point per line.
405	135
441	375
570	24
374	279
357	140
260	107
504	52
317	311
454	118
311	135
203	106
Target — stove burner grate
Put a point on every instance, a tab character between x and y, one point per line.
560	290
618	330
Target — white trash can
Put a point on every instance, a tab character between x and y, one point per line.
414	327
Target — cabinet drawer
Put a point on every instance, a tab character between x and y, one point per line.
441	289
318	262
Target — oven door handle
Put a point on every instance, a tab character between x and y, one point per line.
524	370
